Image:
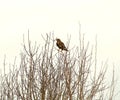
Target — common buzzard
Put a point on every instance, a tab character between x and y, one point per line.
61	45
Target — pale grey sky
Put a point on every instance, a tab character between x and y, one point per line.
101	17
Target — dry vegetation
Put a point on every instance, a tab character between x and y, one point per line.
45	73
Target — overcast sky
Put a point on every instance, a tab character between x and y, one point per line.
101	17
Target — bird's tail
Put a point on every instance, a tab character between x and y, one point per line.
65	49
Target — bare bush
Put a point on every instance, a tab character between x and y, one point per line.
45	73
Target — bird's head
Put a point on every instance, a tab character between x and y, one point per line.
57	39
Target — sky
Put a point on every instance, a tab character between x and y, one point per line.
97	17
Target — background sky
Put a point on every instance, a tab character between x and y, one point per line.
97	17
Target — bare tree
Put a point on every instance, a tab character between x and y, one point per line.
46	73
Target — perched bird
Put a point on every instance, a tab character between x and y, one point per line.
61	45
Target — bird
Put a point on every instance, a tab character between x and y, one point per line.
61	45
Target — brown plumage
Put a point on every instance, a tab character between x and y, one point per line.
61	45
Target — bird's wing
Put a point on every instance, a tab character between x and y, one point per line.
62	44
